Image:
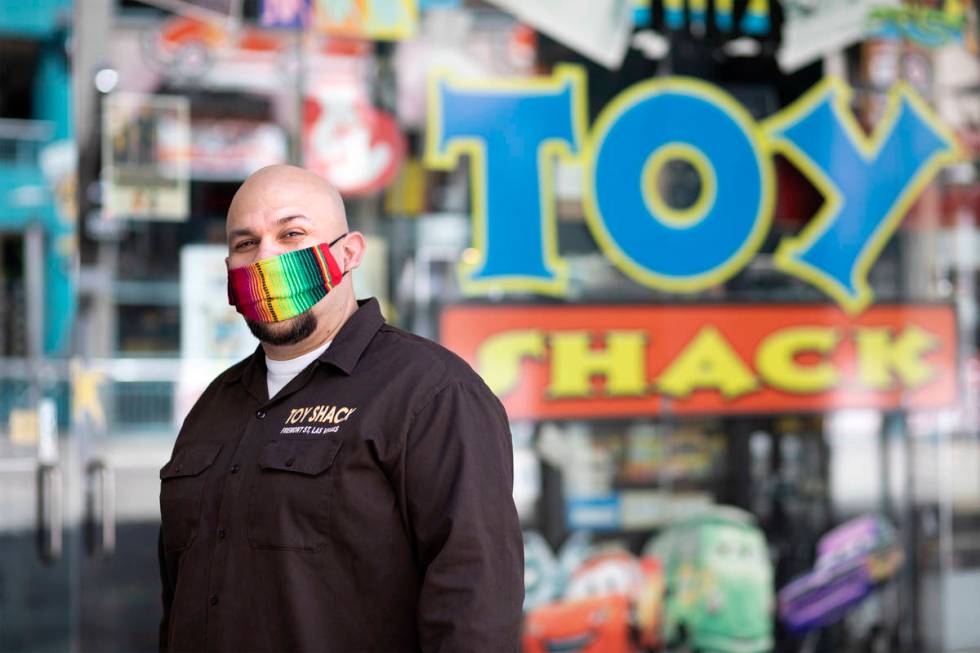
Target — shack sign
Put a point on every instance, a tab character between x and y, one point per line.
604	361
513	130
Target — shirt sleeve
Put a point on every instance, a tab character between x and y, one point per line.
458	483
166	595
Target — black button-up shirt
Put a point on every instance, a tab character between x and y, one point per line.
367	507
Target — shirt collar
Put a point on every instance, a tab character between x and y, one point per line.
353	338
343	353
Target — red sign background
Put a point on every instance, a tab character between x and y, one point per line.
669	329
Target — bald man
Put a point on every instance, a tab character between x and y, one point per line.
347	487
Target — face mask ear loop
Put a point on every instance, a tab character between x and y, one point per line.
334	242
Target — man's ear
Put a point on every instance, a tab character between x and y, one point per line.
354	247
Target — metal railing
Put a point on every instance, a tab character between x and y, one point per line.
134	396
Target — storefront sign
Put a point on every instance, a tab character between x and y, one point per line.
596	361
513	130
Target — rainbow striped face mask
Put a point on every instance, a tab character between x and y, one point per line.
281	287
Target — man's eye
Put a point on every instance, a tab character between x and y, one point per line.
243	244
290	234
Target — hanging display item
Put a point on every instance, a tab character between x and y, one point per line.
368	19
813	29
725	18
189	48
291	14
146	149
598	29
355	146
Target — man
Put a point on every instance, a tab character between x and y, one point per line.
348	486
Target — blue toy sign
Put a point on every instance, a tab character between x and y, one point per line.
513	130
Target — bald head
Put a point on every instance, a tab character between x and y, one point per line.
275	188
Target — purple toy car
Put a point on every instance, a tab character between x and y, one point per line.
852	560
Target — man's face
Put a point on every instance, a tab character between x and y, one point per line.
275	214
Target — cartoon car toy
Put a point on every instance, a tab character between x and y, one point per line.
594	625
612	604
852	560
718	575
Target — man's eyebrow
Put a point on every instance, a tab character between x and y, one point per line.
234	233
290	218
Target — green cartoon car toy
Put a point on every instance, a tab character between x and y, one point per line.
719	582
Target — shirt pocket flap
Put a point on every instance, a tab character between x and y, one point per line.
310	457
190	460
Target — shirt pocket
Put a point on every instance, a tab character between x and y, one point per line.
181	486
289	505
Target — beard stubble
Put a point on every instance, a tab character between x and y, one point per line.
288	332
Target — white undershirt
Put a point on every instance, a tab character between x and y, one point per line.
279	373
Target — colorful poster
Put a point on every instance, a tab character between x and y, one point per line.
942	23
294	14
597	29
146	147
812	29
614	361
387	20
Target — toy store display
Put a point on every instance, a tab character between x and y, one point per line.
704	582
719	582
853	560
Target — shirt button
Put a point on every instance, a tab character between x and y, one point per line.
214	600
221	533
235	468
260	414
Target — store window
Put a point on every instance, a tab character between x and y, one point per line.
718	261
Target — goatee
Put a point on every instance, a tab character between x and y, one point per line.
289	332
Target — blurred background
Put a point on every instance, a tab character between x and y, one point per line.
718	258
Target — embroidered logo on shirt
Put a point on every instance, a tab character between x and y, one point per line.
309	420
